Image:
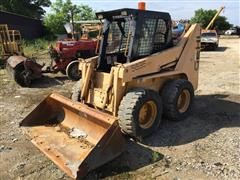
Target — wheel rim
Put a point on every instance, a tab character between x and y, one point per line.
183	101
147	114
74	71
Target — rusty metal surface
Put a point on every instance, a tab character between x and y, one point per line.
34	67
16	65
13	61
74	136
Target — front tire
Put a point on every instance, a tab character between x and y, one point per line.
140	113
177	96
72	71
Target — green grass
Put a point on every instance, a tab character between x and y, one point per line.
156	156
33	47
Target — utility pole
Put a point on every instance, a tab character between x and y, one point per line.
72	14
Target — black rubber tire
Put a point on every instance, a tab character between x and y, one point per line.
72	71
170	94
129	108
76	91
18	76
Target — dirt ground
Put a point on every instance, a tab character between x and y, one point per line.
204	146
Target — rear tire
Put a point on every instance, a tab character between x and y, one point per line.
177	97
72	71
140	113
76	91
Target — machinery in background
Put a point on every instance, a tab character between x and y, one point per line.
64	58
214	18
69	50
233	31
210	38
10	42
178	30
26	69
138	77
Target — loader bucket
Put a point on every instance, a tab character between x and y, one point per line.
75	137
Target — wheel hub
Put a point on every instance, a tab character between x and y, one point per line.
75	71
183	101
147	114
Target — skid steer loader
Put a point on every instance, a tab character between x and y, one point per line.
138	77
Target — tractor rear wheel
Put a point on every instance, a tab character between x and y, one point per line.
72	71
140	113
177	97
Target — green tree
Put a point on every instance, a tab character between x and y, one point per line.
204	17
86	13
30	8
63	12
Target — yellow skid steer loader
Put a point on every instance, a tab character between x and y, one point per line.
138	77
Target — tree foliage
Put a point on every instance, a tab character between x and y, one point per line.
30	8
204	17
61	14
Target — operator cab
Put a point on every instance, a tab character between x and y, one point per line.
130	34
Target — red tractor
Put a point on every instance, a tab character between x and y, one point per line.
64	58
67	52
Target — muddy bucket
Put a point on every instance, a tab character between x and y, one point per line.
75	137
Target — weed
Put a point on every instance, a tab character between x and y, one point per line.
33	47
156	156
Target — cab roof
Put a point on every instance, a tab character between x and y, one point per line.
134	12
